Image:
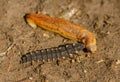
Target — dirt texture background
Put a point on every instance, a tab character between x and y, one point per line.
101	17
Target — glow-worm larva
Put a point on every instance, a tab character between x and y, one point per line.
55	53
64	28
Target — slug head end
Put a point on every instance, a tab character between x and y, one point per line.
92	48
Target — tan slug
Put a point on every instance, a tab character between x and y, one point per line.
64	28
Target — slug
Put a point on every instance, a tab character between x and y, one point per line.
64	28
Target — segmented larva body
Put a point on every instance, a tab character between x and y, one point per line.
64	28
55	53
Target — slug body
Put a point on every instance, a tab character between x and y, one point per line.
65	28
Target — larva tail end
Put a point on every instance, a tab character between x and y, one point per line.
30	21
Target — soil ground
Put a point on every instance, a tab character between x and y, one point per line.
102	17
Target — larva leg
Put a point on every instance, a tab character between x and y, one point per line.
64	28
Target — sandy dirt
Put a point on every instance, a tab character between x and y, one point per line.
101	17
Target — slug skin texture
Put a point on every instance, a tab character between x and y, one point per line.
65	28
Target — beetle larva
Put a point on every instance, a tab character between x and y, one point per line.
64	28
55	53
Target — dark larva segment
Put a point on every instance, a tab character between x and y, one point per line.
77	47
44	55
63	52
49	51
33	56
23	59
26	58
55	53
58	53
70	49
39	55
